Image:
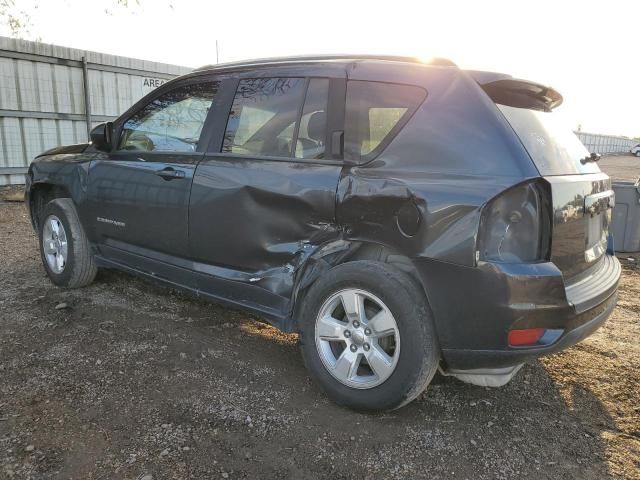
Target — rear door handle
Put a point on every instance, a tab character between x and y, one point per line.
170	173
337	144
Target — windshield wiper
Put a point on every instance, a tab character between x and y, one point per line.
594	157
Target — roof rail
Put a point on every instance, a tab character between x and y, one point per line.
311	58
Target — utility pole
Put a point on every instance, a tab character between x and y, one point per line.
217	60
87	96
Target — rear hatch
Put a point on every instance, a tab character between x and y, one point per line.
582	198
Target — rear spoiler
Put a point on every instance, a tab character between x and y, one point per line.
514	92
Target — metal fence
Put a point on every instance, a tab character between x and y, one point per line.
51	96
606	143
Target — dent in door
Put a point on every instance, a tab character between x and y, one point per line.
275	215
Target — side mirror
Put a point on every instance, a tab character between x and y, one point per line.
101	136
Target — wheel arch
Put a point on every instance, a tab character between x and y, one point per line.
40	194
339	252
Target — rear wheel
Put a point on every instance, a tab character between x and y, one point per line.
64	246
357	338
637	154
367	336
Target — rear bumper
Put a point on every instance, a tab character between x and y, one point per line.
472	359
475	308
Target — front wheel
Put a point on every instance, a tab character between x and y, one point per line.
637	154
64	246
367	336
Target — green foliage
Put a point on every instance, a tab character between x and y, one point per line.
16	19
19	21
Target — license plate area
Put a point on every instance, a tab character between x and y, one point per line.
597	211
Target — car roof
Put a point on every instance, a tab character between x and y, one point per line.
402	69
330	58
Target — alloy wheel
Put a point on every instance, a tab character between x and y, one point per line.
54	244
357	338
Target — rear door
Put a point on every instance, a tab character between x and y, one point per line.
264	195
139	192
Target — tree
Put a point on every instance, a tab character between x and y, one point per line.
18	20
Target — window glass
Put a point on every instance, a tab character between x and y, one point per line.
263	115
551	143
172	122
374	112
381	122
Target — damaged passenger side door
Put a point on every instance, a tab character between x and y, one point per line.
264	195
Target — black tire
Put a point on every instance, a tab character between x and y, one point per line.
419	354
637	154
80	268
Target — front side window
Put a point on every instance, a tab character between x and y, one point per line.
374	113
172	122
266	118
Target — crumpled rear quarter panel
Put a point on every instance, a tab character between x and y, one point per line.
454	154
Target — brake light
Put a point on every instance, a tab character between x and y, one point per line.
528	336
515	226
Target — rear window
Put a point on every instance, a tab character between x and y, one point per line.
262	117
375	112
551	143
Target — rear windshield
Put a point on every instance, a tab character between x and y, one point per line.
551	143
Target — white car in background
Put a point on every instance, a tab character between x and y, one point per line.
636	150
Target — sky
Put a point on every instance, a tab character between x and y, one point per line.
587	50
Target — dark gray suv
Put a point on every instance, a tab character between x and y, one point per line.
403	217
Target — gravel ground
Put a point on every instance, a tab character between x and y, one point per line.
127	380
621	167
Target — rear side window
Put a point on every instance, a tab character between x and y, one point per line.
268	118
550	142
375	112
172	122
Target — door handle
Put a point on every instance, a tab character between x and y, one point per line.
170	173
337	144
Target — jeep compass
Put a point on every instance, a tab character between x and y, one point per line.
401	216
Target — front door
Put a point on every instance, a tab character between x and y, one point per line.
139	193
266	197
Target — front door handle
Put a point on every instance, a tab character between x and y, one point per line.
170	173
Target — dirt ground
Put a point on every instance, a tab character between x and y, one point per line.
621	167
127	380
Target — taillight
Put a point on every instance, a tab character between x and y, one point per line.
522	338
515	226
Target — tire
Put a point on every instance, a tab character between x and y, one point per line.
412	347
65	254
637	154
